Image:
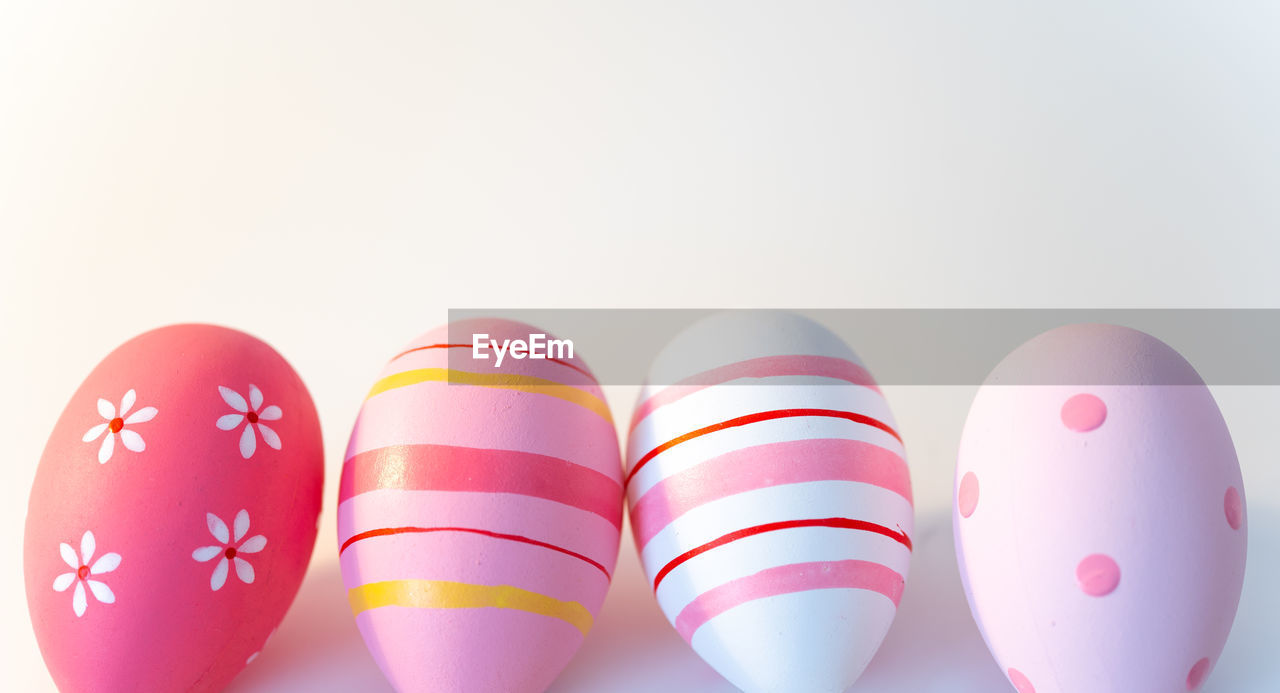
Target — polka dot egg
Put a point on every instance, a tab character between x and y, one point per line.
1099	515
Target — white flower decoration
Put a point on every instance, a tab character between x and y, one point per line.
228	550
255	413
115	426
81	570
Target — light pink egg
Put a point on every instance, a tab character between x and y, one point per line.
479	514
1099	515
173	513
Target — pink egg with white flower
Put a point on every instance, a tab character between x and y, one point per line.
1099	515
173	513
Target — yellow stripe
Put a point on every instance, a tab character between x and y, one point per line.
502	381
442	594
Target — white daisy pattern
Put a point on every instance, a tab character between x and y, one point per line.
81	572
115	423
253	412
230	553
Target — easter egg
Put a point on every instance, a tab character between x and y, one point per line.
770	500
173	513
1099	515
479	513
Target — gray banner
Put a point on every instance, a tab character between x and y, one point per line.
918	346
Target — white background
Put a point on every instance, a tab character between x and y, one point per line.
333	176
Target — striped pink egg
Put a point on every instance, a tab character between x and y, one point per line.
479	514
770	500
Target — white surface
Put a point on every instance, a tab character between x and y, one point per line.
333	176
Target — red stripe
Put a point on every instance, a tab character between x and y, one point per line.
390	531
836	522
761	367
570	364
425	467
757	417
406	352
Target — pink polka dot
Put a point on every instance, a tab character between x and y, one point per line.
1098	575
1198	674
968	498
1020	681
1234	507
1084	412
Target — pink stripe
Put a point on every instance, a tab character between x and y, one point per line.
763	367
473	559
763	466
536	518
788	579
450	468
442	414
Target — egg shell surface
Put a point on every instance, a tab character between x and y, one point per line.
479	514
770	500
1099	516
173	513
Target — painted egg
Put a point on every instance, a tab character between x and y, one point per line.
770	500
479	512
1099	515
173	513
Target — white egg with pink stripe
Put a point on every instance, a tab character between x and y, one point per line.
479	514
770	500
